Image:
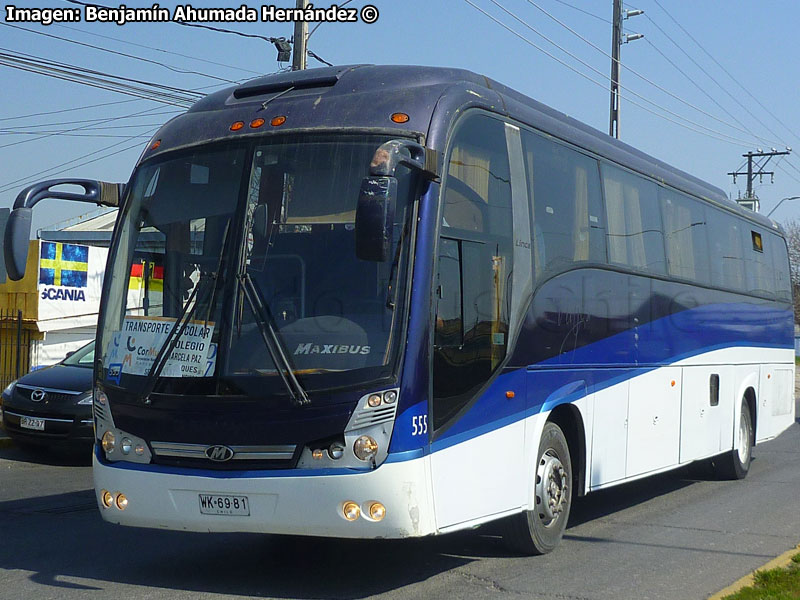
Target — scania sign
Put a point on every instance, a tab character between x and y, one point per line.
219	453
63	294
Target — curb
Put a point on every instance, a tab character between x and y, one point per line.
776	563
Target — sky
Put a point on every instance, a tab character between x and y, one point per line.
710	80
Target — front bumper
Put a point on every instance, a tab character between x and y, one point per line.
294	502
58	428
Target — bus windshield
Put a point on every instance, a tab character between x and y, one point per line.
218	246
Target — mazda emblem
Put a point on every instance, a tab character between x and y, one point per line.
38	395
219	453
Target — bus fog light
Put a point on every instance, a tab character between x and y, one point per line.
365	448
351	511
377	511
139	450
336	451
106	498
108	442
390	397
374	400
127	446
122	501
316	454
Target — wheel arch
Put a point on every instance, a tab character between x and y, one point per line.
749	396
569	419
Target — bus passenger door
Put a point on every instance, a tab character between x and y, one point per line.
478	429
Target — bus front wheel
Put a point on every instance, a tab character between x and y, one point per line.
538	531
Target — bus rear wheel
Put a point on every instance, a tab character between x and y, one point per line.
736	463
538	531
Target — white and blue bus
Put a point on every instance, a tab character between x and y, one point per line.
389	301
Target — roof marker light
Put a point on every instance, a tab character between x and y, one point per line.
256	123
155	145
278	121
237	126
399	117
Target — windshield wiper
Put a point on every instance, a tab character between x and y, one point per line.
264	320
172	339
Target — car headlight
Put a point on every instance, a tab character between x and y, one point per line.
10	388
85	399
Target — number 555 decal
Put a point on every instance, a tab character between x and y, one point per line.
419	425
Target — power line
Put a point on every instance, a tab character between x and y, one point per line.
123	54
639	75
55	112
707	130
270	40
45	136
586	12
66	134
77	68
97	79
11	185
98	120
743	87
154	49
711	77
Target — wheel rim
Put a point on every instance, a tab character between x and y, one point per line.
744	438
552	488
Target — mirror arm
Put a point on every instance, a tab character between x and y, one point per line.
394	153
95	192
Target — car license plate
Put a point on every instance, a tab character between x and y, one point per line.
214	504
31	423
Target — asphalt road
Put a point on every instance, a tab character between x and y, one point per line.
681	535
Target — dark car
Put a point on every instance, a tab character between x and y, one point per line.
52	405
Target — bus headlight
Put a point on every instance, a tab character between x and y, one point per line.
108	442
365	448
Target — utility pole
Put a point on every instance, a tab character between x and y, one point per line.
755	169
617	39
300	35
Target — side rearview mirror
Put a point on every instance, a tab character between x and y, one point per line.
378	195
15	243
375	218
18	227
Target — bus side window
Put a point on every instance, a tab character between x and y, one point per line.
725	247
635	238
780	262
685	235
758	268
474	272
566	206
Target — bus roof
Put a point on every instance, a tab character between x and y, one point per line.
363	97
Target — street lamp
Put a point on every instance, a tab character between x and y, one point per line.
781	202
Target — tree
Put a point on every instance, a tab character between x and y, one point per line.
792	229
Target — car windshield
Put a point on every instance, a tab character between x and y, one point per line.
226	250
83	357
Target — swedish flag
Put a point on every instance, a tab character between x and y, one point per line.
63	264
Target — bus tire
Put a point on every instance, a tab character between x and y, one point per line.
736	463
538	531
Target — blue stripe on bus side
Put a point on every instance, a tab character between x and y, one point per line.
551	379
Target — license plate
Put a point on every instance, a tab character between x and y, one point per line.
214	504
31	423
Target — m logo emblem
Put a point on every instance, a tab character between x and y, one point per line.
219	453
38	395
